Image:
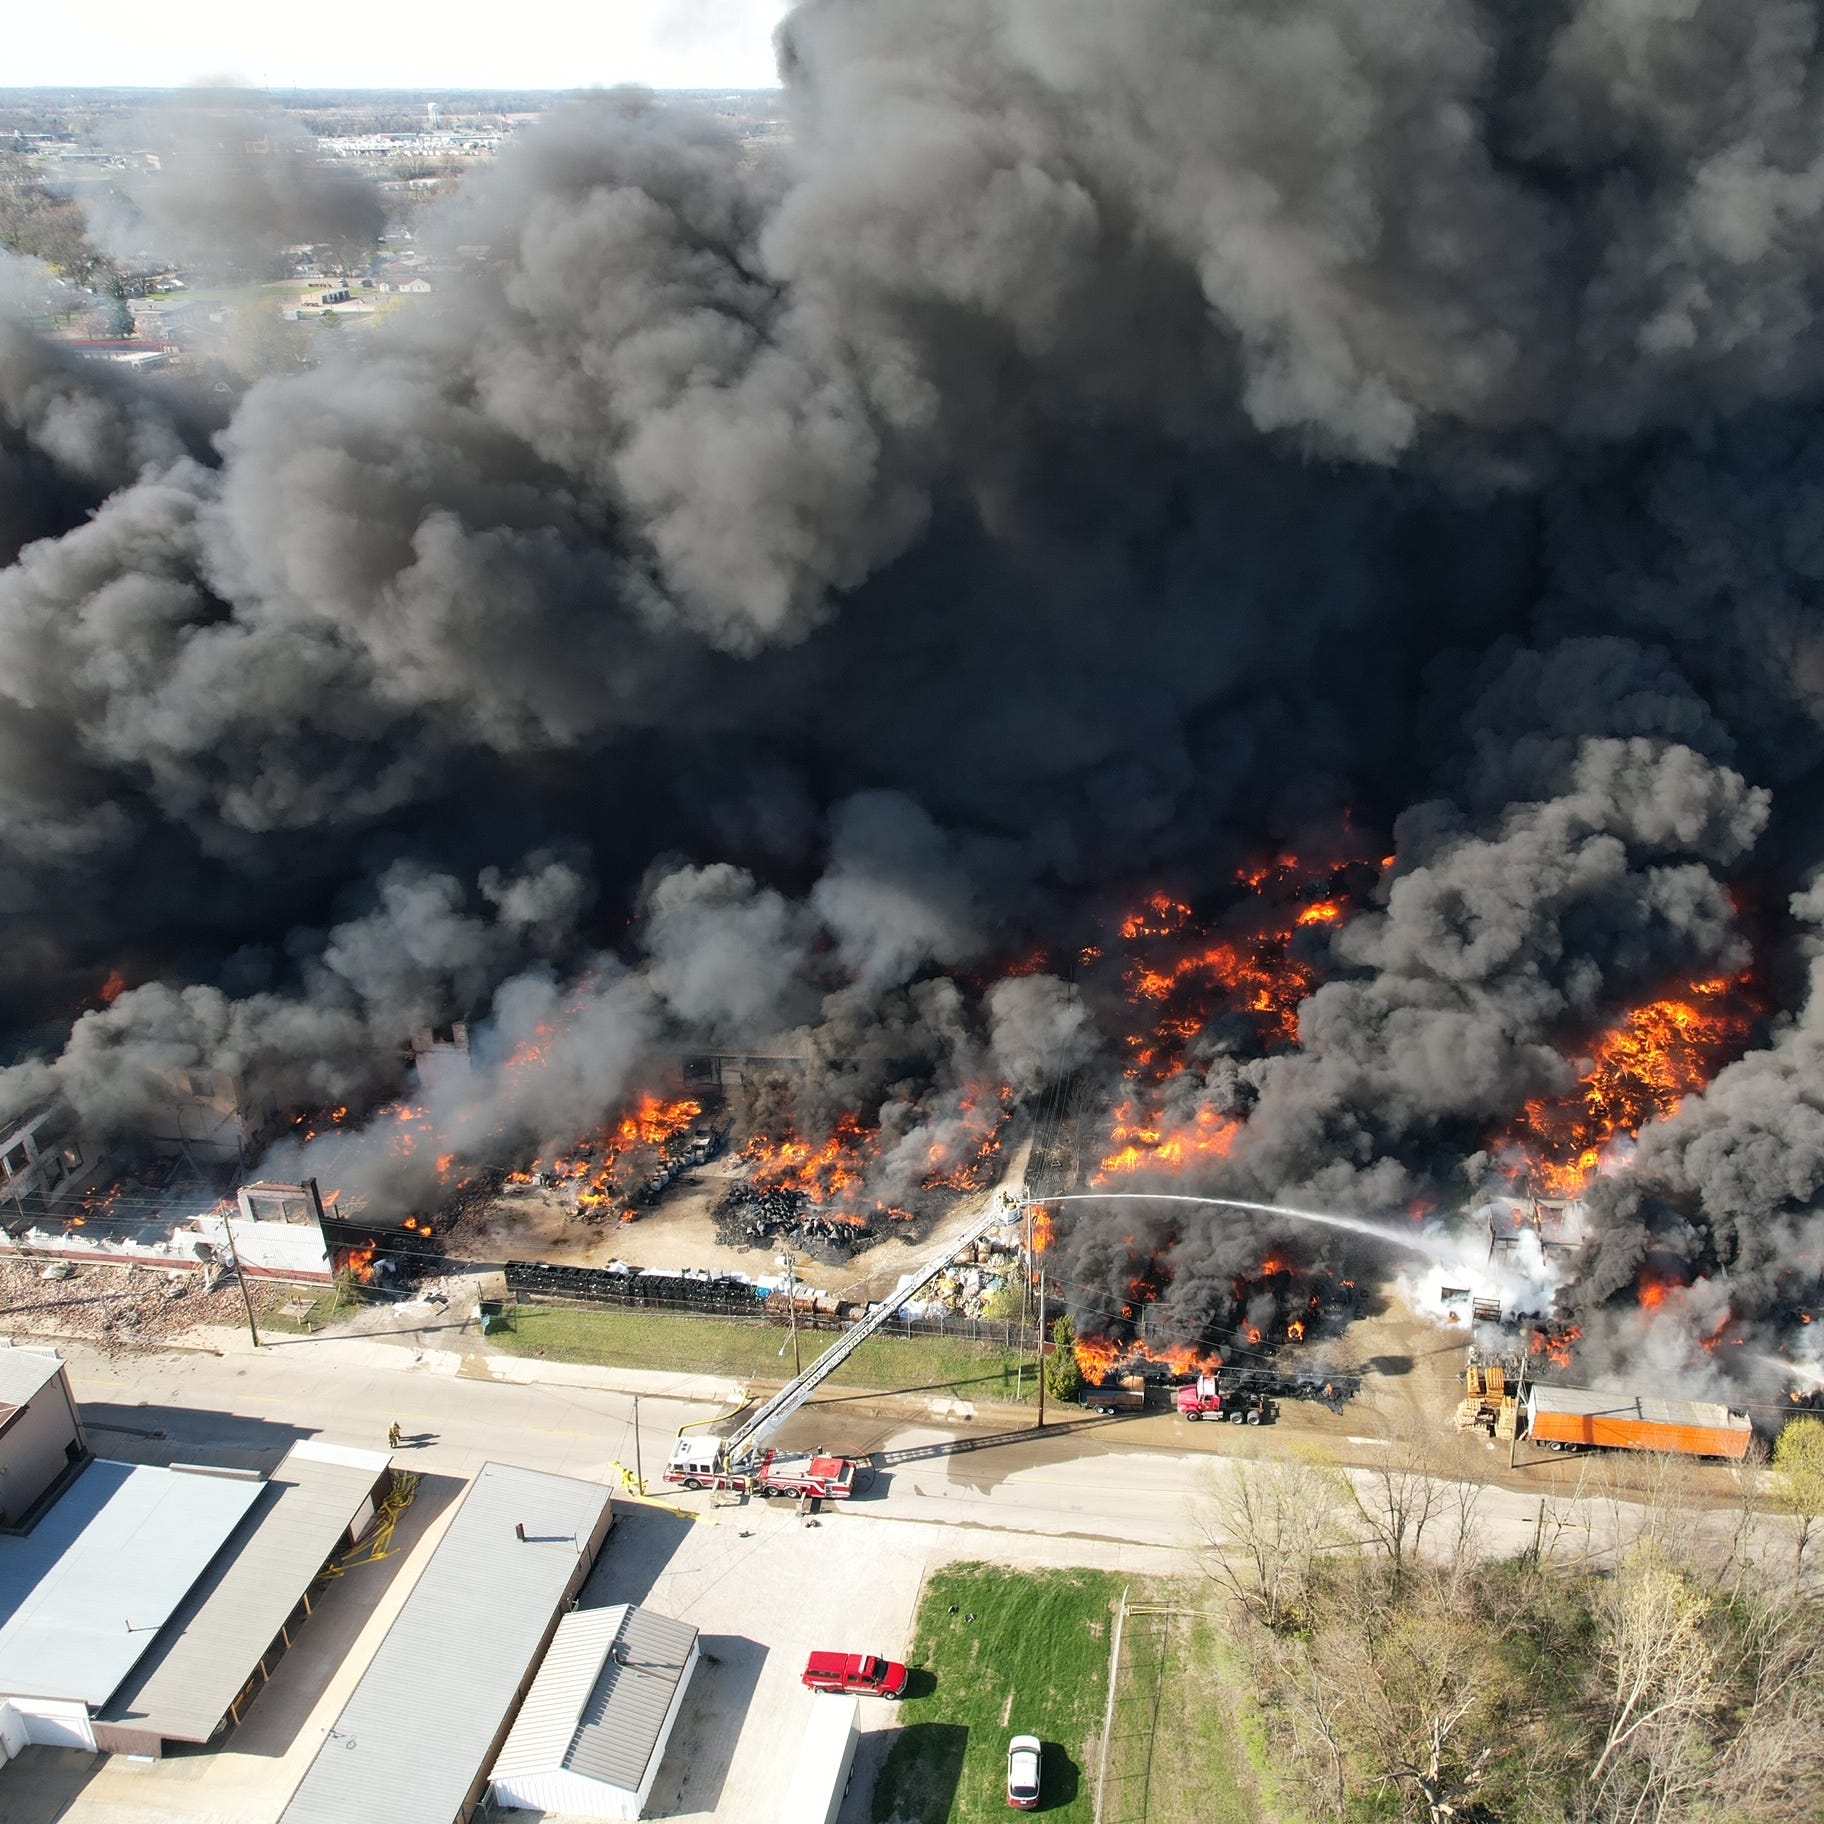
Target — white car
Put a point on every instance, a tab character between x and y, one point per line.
1023	1772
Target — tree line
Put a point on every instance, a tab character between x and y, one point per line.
1642	1654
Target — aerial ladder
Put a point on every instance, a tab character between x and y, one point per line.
741	1460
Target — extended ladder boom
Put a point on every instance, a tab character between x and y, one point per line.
799	1389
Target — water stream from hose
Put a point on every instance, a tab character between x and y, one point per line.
1436	1247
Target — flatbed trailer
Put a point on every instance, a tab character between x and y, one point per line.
1114	1396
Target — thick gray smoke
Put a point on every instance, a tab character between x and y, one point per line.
1106	445
229	186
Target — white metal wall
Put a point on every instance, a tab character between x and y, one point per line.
575	1796
53	1722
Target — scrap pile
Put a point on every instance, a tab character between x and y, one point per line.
117	1307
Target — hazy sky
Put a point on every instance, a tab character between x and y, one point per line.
545	44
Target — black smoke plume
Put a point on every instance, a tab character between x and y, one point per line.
1103	447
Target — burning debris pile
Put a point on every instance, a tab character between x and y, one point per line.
779	595
1637	1070
630	1163
846	1192
1198	993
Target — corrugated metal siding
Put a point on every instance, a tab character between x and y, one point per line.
1619	1433
599	1705
23	1372
547	1720
413	1742
625	1715
214	1642
1590	1402
567	1795
83	1595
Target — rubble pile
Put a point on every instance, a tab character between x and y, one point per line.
118	1307
620	1173
972	1280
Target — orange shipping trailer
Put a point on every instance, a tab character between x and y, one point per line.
1563	1416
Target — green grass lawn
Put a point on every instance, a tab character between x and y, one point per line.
1023	1653
701	1345
1181	1743
338	1301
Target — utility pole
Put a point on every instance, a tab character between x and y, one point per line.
1513	1443
253	1329
789	1262
1041	1424
639	1474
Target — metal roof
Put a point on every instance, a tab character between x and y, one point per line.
182	1689
599	1703
1590	1402
414	1738
24	1373
83	1595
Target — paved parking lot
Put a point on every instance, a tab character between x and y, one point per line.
766	1589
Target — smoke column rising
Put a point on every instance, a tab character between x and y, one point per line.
1104	446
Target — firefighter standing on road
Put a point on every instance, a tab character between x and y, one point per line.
393	1435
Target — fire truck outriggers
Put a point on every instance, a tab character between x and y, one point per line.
739	1461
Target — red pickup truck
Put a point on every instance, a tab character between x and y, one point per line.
861	1672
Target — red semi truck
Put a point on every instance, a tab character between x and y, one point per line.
1203	1398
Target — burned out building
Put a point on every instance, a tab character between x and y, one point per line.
210	1117
42	1159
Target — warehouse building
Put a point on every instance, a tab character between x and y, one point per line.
414	1743
84	1594
143	1605
221	1645
590	1738
42	1443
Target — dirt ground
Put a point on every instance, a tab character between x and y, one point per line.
537	1225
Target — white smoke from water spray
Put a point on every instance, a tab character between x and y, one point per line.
1525	1281
1440	1247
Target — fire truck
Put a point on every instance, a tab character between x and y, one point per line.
701	1463
740	1460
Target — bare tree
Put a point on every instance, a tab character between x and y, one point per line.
1421	1481
1417	1687
1769	1761
1662	1683
1305	1696
1268	1525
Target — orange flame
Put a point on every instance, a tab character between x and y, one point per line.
1101	1356
1555	1346
821	1174
113	988
1639	1070
1179	975
597	1163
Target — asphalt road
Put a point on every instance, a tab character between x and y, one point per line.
1143	1482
